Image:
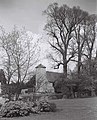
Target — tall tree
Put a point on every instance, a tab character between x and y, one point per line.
90	34
62	21
80	41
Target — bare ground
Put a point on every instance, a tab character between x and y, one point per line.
68	109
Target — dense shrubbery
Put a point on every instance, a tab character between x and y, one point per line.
20	108
47	107
17	108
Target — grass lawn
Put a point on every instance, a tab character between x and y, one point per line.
68	109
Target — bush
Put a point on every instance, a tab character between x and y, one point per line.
17	108
20	108
47	107
52	107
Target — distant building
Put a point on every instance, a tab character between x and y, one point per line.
44	80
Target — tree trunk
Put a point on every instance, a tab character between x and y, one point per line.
90	72
79	64
17	96
65	70
18	91
79	52
65	63
90	67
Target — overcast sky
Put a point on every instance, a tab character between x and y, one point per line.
28	13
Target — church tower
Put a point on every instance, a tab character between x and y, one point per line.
41	80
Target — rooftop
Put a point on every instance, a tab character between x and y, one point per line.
40	66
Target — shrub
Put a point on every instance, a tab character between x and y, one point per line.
20	108
52	107
47	107
17	108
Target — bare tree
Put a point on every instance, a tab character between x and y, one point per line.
5	47
21	54
90	37
62	21
80	41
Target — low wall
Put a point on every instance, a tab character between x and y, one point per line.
41	96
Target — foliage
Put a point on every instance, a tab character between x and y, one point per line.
86	82
11	89
18	108
56	96
45	106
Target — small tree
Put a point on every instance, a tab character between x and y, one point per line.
20	55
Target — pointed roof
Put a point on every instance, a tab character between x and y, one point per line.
40	66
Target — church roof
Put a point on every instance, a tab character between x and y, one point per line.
40	66
54	76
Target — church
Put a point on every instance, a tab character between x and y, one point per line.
41	82
44	80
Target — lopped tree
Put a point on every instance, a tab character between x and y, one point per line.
61	24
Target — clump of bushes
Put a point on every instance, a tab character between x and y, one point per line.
20	108
17	108
45	106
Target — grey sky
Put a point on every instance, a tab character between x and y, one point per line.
28	13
